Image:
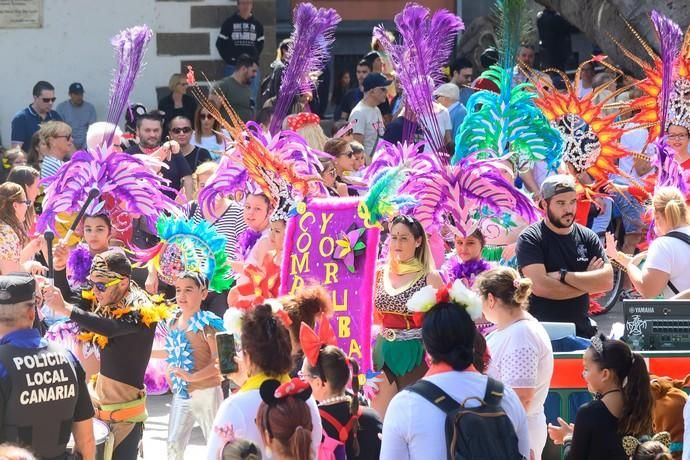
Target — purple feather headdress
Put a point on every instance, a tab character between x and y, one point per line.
125	183
455	269
79	266
307	54
392	155
418	59
246	241
670	38
130	47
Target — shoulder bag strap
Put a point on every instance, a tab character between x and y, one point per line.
684	238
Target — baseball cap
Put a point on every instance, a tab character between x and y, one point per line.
375	80
558	183
449	90
76	88
16	288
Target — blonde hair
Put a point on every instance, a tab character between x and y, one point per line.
241	449
203	168
670	203
52	129
174	80
313	134
507	285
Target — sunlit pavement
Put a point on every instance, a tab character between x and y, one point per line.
156	432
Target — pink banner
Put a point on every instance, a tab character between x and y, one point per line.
327	243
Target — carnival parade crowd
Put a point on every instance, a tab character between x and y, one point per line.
388	290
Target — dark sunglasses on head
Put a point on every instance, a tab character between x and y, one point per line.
48	99
185	130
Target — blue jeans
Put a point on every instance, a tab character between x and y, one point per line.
255	83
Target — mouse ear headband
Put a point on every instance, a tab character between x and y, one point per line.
272	391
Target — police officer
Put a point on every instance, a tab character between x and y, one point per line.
43	395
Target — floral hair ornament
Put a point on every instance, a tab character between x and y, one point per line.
631	443
427	297
312	343
516	283
279	311
272	391
598	344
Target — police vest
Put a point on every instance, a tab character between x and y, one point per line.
42	400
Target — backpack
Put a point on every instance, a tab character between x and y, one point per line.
334	449
478	433
686	239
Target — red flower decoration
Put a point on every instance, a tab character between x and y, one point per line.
442	295
284	318
191	81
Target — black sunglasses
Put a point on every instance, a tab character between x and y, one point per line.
185	130
48	99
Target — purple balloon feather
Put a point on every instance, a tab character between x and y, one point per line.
418	59
308	53
670	38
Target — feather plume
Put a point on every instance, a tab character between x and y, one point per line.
671	174
307	54
383	200
126	185
392	155
130	47
670	39
229	180
418	59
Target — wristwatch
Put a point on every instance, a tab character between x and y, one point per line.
563	272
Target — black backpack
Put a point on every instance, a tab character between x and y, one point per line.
477	433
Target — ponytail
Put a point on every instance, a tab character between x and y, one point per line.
354	406
637	409
299	444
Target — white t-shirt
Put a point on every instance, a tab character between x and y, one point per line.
634	141
671	255
522	357
211	144
239	410
368	123
413	427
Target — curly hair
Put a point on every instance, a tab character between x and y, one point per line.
267	341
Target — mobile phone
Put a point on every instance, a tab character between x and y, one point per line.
226	352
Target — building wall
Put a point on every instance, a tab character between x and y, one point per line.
74	45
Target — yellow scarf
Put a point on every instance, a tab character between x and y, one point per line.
254	382
412	265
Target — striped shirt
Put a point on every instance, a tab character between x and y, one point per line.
50	166
229	224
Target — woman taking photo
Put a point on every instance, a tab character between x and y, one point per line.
520	348
16	249
266	350
398	351
622	406
352	431
666	270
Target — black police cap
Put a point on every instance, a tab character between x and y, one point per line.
16	288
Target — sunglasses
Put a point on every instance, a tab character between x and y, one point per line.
101	287
68	137
205	116
349	154
185	130
48	99
26	202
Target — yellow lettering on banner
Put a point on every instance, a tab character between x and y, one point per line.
303	220
325	219
355	350
297	284
331	273
344	326
299	265
331	246
334	300
303	242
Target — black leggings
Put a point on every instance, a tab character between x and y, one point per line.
128	449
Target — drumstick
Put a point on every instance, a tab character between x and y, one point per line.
93	193
49	236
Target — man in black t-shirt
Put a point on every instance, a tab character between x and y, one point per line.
565	261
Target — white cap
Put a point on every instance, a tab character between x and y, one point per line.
449	90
